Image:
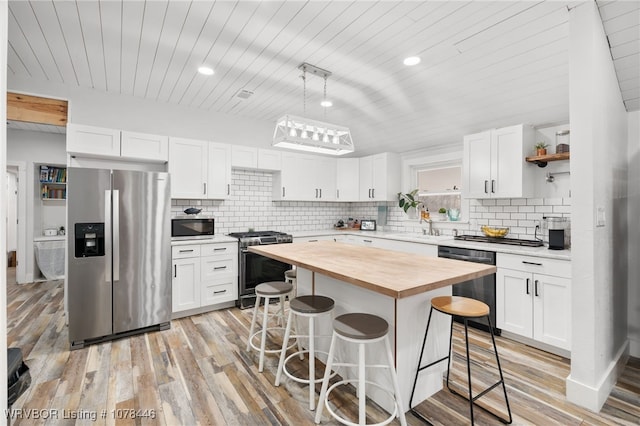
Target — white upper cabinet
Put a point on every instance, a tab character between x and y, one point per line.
199	169
219	171
111	143
142	145
269	159
94	141
247	157
244	157
348	179
305	178
494	165
380	177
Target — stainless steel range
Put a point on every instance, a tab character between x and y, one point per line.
511	241
253	268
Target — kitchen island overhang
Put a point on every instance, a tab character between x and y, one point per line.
394	285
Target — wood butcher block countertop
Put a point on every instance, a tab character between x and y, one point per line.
391	273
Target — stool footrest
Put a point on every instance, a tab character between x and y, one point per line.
269	351
481	394
347	422
433	363
298	379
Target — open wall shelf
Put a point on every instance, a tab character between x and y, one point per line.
542	160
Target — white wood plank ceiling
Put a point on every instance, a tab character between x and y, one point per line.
621	21
484	64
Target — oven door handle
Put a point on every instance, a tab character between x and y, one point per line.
468	258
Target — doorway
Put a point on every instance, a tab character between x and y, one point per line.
16	218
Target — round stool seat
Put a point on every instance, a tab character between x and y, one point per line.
291	273
460	306
311	304
274	288
360	326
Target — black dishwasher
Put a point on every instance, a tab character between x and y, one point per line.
483	288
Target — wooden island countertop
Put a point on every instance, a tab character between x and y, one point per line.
387	272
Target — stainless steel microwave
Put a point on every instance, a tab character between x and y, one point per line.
192	227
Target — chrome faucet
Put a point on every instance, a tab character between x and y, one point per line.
430	222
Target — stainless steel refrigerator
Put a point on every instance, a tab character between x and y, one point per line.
119	253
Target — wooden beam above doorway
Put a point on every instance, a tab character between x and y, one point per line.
34	109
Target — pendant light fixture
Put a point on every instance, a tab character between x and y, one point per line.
305	134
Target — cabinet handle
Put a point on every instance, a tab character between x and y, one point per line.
216	268
220	249
536	288
373	193
228	189
493	185
283	191
531	263
219	291
313	241
528	286
486	182
175	271
320	192
369	192
367	241
186	251
316	192
204	185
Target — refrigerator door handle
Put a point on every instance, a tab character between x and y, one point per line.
107	240
116	235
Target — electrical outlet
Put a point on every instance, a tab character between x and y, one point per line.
600	216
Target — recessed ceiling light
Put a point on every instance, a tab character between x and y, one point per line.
205	70
411	61
326	103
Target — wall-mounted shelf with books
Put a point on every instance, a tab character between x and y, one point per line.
53	183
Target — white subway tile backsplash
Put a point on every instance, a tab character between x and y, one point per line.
251	206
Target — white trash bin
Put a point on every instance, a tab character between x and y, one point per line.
50	258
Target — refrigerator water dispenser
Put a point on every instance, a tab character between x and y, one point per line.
89	240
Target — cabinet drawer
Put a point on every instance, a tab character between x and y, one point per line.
227	249
212	267
181	252
217	292
538	265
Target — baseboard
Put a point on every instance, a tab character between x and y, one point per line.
593	398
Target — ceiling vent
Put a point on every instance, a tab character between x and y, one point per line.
244	94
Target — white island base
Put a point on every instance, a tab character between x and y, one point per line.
407	318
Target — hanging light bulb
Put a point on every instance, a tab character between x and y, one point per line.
325	138
292	131
336	138
315	135
304	134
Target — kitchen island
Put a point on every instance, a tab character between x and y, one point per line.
393	285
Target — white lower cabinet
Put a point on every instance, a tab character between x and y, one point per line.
533	298
204	275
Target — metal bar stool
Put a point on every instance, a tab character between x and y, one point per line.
291	277
310	307
466	308
362	329
267	291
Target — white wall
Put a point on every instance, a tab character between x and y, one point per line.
599	175
12	210
3	199
634	233
93	107
35	148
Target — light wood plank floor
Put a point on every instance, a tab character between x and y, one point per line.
198	372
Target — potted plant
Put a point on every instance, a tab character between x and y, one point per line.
541	148
443	213
408	202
